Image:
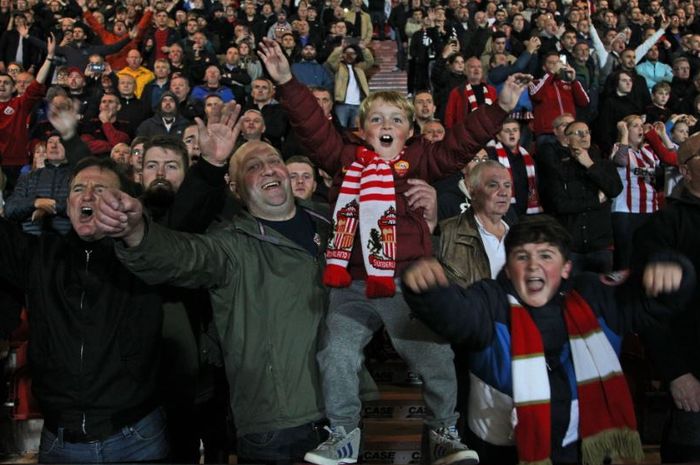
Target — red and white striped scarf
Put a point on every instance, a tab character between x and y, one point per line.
533	197
367	197
607	426
489	98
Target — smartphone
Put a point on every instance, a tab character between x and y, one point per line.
352	41
97	67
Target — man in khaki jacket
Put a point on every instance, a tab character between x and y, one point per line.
349	63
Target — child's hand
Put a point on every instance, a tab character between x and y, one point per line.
425	274
276	63
662	278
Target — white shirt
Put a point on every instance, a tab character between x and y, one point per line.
352	95
495	247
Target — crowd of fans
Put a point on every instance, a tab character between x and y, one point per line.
568	123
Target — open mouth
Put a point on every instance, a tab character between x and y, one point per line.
386	140
86	212
270	185
534	284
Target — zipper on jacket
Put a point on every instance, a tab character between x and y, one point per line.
82	340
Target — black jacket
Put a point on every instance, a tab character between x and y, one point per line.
95	330
675	347
569	192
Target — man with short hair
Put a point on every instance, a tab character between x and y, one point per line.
506	150
38	201
96	330
154	89
235	75
252	125
682	88
557	92
89	101
141	74
121	153
190	137
302	174
653	70
276	121
498	45
132	110
349	63
465	99
212	85
291	235
189	108
576	185
102	133
471	244
433	130
425	109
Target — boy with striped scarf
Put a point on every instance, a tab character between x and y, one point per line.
546	383
376	235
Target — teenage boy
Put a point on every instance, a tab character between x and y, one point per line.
546	384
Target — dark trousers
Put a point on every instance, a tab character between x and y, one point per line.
280	447
681	439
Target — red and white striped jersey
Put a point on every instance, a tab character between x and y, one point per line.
638	176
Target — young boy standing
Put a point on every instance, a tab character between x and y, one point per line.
371	174
545	379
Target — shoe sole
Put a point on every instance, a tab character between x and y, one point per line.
318	460
465	457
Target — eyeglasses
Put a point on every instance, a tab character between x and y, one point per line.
579	133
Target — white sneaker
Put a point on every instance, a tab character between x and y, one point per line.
446	448
340	447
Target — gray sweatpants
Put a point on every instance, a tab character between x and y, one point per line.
351	321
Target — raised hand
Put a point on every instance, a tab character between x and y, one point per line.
513	87
63	117
120	215
50	45
275	62
217	140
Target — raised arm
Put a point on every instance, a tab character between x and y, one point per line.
43	72
157	254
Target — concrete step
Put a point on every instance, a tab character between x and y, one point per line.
386	78
395	442
396	402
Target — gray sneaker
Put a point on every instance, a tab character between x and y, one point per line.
340	447
446	448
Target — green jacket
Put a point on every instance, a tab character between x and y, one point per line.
268	301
